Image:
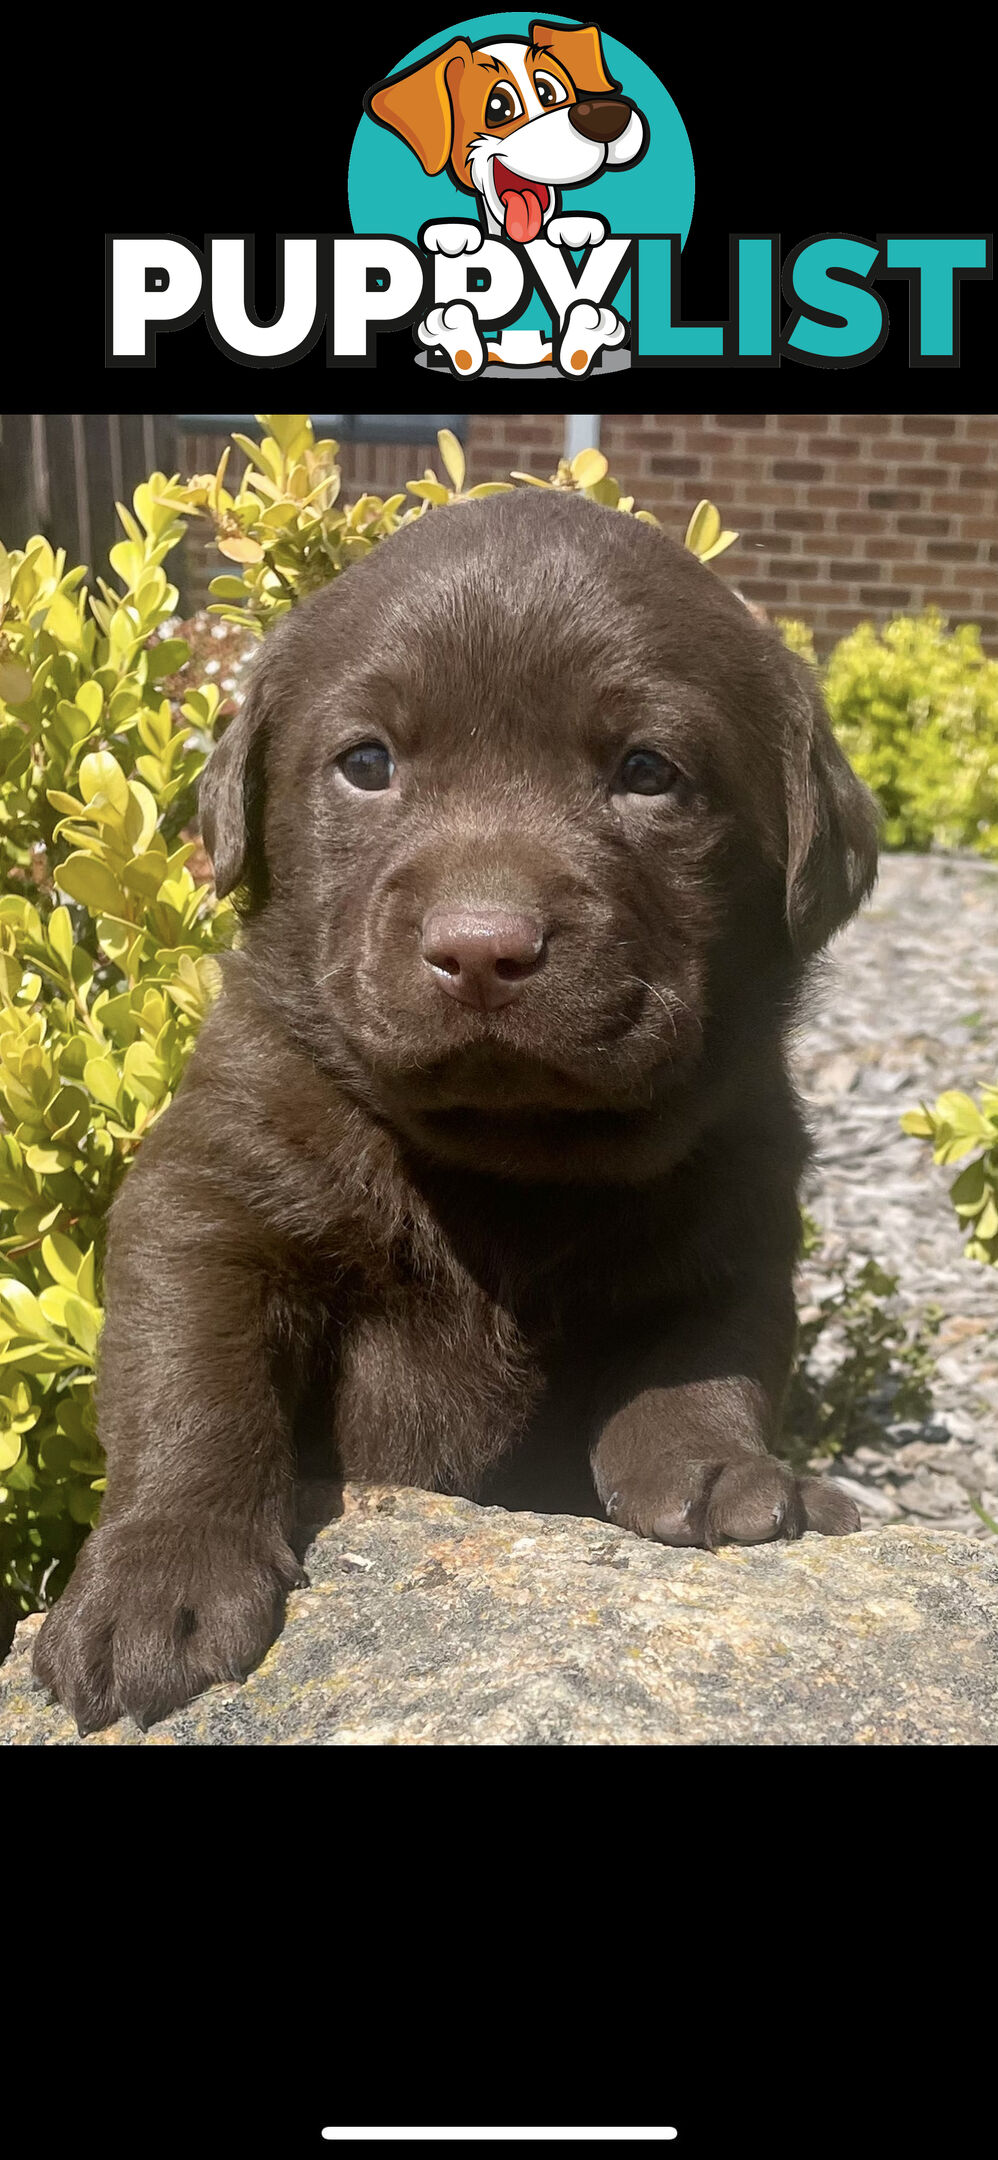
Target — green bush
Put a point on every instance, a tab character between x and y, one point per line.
106	968
957	1127
915	707
859	1361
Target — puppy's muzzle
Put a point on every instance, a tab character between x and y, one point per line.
600	119
482	956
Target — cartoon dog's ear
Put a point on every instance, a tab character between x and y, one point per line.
832	820
579	52
230	798
417	105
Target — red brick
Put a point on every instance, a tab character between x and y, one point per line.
893	498
797	469
681	468
964	453
835	498
829	543
859	521
923	525
928	424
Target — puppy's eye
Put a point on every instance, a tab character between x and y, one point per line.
368	766
503	105
644	772
550	92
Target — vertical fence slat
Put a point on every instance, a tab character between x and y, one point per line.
63	527
84	523
105	484
114	449
18	501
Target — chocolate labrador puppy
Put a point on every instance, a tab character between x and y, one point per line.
487	1155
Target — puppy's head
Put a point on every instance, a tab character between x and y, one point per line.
513	119
536	828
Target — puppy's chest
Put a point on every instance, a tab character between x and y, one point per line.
548	1261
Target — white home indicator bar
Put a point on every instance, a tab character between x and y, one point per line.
498	2136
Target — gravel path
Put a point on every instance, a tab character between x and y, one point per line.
909	1006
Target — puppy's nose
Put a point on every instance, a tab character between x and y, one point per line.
482	956
600	119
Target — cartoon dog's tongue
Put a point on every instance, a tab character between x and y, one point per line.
524	203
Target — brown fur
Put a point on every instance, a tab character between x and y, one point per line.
540	1252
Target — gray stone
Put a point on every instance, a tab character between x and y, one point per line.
429	1621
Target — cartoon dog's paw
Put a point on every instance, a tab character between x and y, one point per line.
455	238
455	330
577	232
587	331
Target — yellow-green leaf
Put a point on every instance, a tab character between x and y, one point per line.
453	457
588	466
87	879
103	1080
101	777
240	548
62	1259
704	527
60	933
15	682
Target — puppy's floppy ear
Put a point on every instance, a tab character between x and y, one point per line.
230	798
832	820
417	105
579	52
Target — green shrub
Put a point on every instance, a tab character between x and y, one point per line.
915	707
957	1127
859	1361
106	968
288	533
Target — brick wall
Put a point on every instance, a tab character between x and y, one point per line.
842	517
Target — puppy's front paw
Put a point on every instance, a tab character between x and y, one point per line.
159	1609
745	1501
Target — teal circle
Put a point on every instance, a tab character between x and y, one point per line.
388	191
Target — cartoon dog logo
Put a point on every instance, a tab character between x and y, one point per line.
514	121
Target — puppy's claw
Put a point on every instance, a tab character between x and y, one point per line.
155	1613
829	1510
745	1500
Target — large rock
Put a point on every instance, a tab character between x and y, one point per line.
429	1620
